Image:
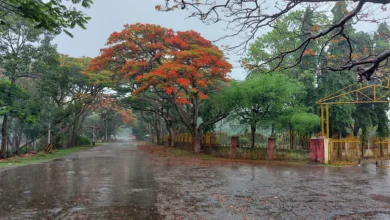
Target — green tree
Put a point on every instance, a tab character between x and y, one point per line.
183	66
154	102
52	15
73	97
262	99
284	37
138	130
25	52
246	18
382	41
216	106
329	82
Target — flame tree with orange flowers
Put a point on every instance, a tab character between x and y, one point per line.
181	67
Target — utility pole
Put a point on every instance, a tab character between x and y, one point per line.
94	128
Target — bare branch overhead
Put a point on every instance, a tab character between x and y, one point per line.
245	18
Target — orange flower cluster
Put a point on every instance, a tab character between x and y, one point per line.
106	102
183	101
184	82
182	64
354	56
309	52
315	28
365	50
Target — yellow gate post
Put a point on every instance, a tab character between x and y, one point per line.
330	151
323	118
208	138
351	95
327	121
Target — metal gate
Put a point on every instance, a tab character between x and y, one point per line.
381	147
345	149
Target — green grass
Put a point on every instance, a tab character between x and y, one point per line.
42	157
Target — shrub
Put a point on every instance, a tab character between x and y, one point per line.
82	140
243	141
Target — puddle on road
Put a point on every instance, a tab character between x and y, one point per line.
116	184
121	185
270	191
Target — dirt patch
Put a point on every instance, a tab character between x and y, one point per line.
380	198
363	215
176	156
17	157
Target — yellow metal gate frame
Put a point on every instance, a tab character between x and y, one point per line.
357	93
345	146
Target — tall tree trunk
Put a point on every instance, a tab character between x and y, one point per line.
196	140
16	141
78	120
158	136
171	138
253	135
4	133
70	139
292	139
19	136
4	136
73	133
158	130
61	135
171	134
355	130
10	142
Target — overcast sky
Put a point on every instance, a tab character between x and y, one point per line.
109	16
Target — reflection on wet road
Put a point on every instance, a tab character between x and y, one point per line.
236	191
107	182
119	182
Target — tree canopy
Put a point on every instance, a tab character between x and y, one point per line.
161	64
52	15
246	18
44	93
317	80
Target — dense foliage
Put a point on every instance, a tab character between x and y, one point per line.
162	81
41	89
52	15
162	67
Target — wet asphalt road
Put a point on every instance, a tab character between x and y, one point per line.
119	182
106	182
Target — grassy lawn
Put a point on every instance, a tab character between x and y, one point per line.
41	157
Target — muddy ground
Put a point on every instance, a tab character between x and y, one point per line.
122	181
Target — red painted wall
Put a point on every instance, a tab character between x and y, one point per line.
317	151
